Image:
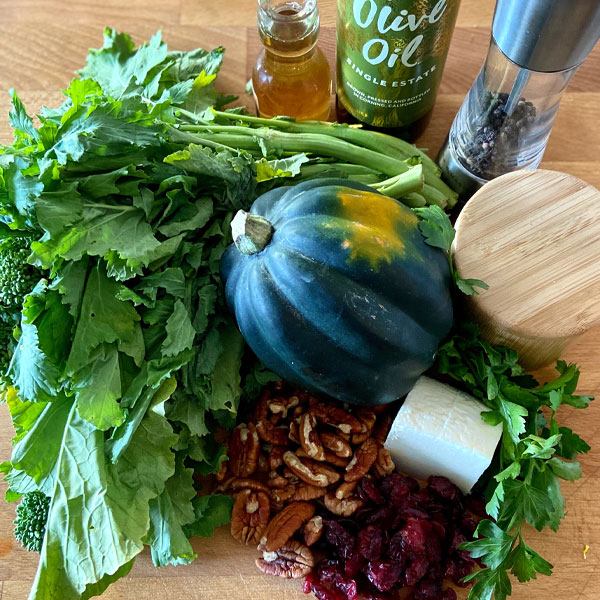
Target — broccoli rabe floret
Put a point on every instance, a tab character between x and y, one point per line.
30	524
17	277
7	343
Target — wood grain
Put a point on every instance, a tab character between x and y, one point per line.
542	227
42	43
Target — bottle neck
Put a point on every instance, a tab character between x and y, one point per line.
288	28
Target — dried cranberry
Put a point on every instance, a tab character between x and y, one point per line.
425	498
444	488
367	490
308	582
428	589
329	570
468	525
458	568
433	548
322	593
409	512
354	564
397	487
368	542
347	587
340	538
396	546
383	574
376	596
448	594
475	503
457	539
382	517
416	570
414	536
439	527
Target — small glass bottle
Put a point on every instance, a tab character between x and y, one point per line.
506	118
291	76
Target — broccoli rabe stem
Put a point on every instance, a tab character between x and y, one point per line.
316	143
403	185
373	140
357	135
382	153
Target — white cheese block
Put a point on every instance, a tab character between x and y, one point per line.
439	431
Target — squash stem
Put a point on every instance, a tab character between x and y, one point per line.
251	233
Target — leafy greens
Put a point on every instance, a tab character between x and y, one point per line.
127	359
522	485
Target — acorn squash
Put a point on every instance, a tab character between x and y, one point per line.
334	288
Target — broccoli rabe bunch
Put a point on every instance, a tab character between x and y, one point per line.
17	277
30	524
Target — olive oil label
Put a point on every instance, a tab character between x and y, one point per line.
390	57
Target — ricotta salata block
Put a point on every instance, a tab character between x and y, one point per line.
439	431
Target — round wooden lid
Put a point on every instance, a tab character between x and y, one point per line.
534	238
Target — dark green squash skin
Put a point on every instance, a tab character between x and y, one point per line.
360	332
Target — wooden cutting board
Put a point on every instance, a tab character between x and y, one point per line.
42	42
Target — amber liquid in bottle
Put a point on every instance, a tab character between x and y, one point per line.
291	76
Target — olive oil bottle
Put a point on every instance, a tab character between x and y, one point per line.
390	58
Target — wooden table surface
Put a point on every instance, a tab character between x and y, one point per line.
42	42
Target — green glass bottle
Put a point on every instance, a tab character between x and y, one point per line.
390	58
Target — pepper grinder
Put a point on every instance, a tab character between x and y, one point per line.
505	120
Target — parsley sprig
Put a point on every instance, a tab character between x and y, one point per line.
438	232
534	453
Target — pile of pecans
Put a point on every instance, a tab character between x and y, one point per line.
296	456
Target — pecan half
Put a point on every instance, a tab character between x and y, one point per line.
250	516
344	507
330	414
345	489
261	410
338	445
223	470
285	523
243	450
281	495
235	484
262	465
292	561
309	438
290	476
278	436
281	406
363	460
293	433
311	471
384	465
275	457
382	427
330	458
276	480
306	492
313	530
367	418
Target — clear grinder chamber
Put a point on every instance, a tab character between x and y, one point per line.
505	120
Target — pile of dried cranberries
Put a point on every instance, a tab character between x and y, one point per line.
404	536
